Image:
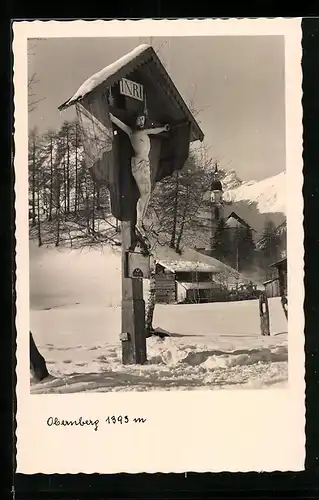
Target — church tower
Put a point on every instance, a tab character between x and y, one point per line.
216	202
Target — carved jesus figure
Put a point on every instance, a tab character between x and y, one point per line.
140	162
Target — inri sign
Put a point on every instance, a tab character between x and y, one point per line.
131	89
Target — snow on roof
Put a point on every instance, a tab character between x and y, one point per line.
202	285
163	253
93	81
279	262
270	281
187	266
234	215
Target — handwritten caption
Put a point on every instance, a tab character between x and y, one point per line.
95	424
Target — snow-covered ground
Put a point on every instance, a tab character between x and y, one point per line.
75	318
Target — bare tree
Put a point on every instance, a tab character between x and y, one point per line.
68	180
32	172
178	199
183	219
175	209
38	204
76	194
58	206
51	178
33	101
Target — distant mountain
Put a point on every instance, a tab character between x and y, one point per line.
269	194
254	201
230	180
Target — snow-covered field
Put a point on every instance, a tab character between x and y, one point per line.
75	318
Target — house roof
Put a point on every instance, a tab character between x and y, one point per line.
279	262
163	253
216	185
270	281
239	219
176	266
142	57
202	285
106	75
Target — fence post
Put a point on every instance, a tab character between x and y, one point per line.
264	314
284	304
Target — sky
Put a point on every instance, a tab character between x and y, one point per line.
236	83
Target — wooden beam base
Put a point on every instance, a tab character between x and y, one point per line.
133	335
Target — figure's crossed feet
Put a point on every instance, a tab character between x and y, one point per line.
141	229
141	233
142	240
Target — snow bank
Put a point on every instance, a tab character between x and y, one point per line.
210	347
177	363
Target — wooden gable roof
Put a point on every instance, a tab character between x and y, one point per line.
144	59
234	215
280	264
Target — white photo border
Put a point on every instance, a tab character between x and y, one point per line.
195	431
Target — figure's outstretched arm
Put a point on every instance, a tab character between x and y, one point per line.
157	130
120	124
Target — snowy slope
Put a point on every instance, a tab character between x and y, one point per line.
75	318
269	194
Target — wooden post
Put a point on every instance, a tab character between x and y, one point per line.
133	335
283	291
37	361
264	314
284	305
151	301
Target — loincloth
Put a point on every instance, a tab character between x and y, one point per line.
139	164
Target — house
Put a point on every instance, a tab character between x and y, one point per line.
192	274
277	285
187	281
280	266
272	287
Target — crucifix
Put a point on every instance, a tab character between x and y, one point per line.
130	162
133	232
140	164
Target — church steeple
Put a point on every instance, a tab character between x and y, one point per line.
216	194
216	204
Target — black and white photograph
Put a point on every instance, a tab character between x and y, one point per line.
209	203
158	200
